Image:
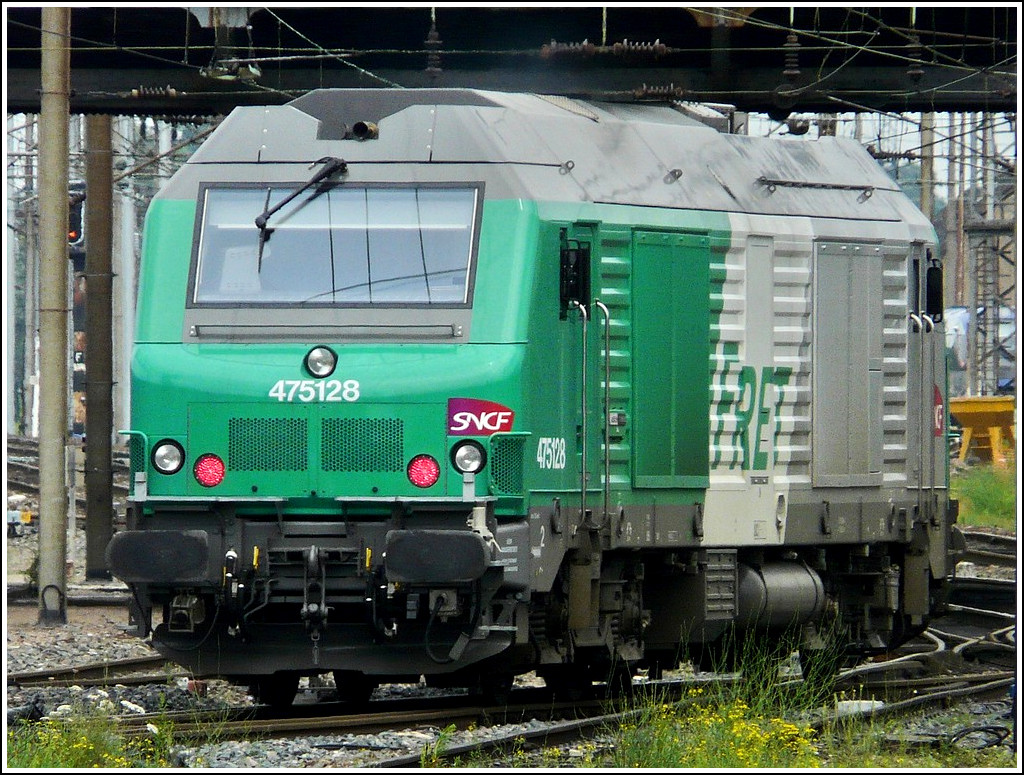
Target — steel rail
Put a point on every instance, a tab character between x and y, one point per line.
47	676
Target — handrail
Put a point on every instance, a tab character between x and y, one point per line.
607	407
583	420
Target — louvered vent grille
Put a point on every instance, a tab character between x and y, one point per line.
359	444
267	444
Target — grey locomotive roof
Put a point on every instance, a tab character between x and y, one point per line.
640	154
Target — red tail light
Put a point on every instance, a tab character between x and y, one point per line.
423	471
209	470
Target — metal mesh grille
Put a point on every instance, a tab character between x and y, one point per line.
362	444
507	464
136	453
267	444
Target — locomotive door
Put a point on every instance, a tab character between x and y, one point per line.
576	296
847	448
671	352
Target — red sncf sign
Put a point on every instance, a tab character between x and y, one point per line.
474	417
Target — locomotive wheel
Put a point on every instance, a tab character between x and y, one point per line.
568	683
657	661
903	630
277	690
718	656
353	686
495	687
819	667
619	679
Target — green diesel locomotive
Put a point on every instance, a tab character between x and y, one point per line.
466	384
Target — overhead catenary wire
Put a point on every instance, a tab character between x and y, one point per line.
342	60
831	40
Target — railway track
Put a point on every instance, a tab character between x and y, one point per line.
897	694
936	668
28	449
128	672
24	478
934	672
985	548
979	630
23	473
935	691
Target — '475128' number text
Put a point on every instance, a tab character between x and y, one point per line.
309	390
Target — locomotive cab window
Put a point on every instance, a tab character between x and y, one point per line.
388	262
339	246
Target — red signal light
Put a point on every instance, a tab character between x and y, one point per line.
76	218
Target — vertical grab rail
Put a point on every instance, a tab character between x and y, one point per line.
928	417
917	336
924	325
583	420
607	406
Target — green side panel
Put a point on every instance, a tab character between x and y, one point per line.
505	271
163	273
671	350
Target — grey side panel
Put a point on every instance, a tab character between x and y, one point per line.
760	311
847	377
245	127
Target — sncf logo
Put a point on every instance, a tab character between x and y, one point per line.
939	409
473	417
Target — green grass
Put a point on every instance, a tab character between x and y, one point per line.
987	495
760	721
85	739
711	734
750	723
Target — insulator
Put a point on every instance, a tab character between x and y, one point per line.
659	92
656	49
154	91
433	43
914	71
792	48
554	48
615	626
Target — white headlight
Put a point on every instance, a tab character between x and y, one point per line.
320	361
168	457
469	457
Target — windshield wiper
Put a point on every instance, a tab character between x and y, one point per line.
331	165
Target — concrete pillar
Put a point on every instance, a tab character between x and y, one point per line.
54	314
